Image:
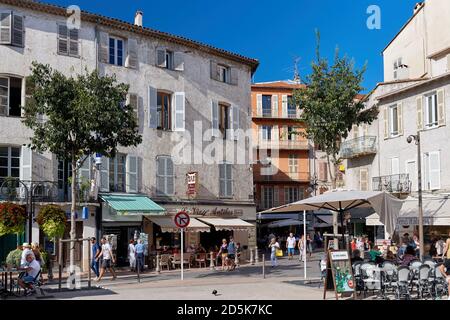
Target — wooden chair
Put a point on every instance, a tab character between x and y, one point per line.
200	258
187	257
164	261
176	260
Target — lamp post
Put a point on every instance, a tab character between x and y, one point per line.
416	138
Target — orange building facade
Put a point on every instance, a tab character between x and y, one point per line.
282	171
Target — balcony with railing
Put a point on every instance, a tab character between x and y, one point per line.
266	173
283	144
358	147
394	183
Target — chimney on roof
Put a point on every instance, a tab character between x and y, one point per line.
138	18
417	6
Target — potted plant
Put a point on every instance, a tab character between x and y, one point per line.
13	258
12	218
52	220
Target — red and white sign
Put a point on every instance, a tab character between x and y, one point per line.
182	219
191	183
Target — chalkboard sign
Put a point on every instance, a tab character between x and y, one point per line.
340	273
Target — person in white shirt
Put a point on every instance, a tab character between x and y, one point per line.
32	269
132	255
290	244
107	256
274	245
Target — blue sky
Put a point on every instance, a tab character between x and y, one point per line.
274	32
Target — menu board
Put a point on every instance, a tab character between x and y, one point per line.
341	269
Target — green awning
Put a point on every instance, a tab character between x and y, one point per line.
132	204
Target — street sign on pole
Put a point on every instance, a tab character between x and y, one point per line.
182	221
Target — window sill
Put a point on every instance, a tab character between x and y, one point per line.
69	55
433	127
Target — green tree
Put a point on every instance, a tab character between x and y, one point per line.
329	105
74	117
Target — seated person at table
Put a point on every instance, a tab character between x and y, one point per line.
445	270
390	256
409	256
356	256
32	268
200	249
375	255
26	250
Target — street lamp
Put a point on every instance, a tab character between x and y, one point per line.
410	139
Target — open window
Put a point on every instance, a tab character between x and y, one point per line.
12	30
10	96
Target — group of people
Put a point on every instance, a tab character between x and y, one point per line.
102	258
30	265
136	253
227	252
292	243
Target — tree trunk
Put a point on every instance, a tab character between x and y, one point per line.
72	215
335	215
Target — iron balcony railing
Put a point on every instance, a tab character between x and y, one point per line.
395	183
358	147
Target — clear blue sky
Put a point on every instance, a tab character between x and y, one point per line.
274	32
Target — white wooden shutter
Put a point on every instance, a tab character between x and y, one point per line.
63	41
276	196
235	122
26	164
259	105
441	107
152	107
435	170
400	118
104	175
5	27
178	60
161	57
214	70
132	174
4	96
103	48
364	179
234	76
132	60
419	104
275	105
160	172
84	172
284	106
179	123
215	118
222	180
18	31
170	176
395	166
229	180
386	122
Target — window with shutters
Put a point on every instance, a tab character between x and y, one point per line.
164	111
266	106
393	120
165	176
10	96
169	60
223	73
293	163
68	43
396	66
12	29
291	108
133	101
431	170
225	180
292	194
266	132
364	179
224	119
267	196
431	110
116	50
9	163
117	173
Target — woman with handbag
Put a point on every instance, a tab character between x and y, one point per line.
301	249
274	247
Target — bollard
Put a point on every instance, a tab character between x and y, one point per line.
158	270
256	255
251	257
264	266
211	261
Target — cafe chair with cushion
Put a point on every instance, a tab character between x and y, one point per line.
176	260
165	261
402	286
200	259
422	283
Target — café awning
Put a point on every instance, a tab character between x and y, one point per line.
132	204
285	223
167	224
227	224
436	211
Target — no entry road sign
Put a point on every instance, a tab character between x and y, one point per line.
182	219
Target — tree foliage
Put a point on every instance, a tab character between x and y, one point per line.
328	102
76	116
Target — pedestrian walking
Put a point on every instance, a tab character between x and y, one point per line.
107	259
445	270
308	245
290	245
223	253
132	255
140	248
446	251
94	259
301	248
274	245
231	255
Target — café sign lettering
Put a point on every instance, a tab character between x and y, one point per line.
414	221
219	212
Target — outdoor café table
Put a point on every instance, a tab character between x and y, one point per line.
5	273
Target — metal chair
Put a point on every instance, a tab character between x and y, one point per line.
200	259
390	275
430	263
402	285
359	283
438	283
422	283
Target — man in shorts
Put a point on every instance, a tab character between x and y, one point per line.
31	268
108	257
290	244
445	270
231	254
